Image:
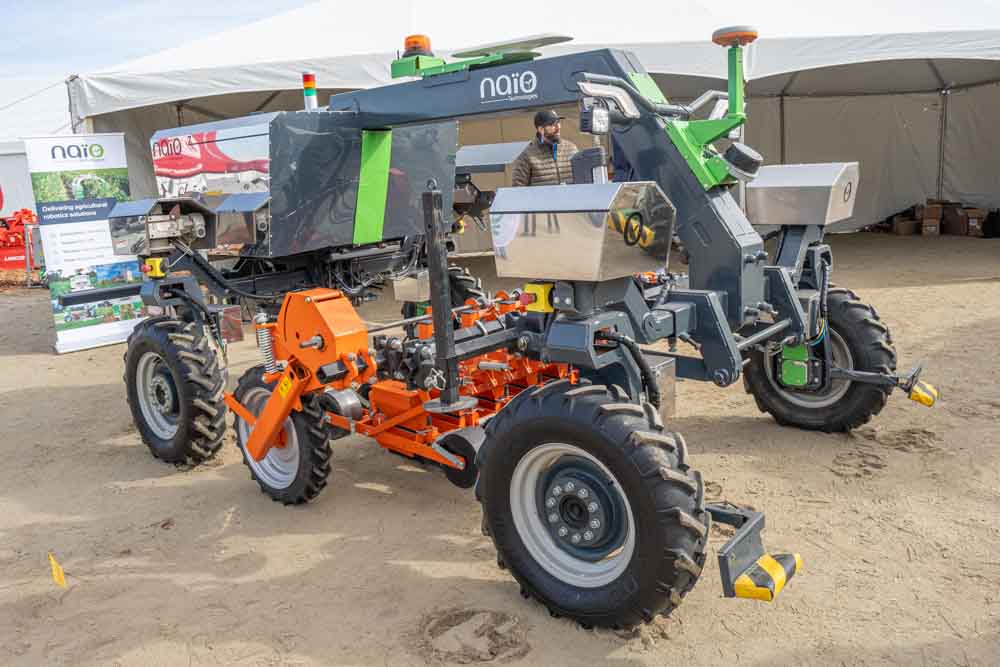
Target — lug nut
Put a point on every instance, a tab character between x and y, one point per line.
588	536
553	517
563	531
570	486
556	490
592	507
551	502
582	493
595	524
576	538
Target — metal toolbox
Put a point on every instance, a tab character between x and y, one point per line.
589	232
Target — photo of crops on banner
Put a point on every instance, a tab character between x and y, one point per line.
53	186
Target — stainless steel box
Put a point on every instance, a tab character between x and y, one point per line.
589	232
803	194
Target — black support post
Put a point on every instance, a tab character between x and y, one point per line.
437	267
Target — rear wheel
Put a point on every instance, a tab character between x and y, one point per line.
591	505
296	469
860	342
175	379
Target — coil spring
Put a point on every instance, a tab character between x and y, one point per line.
266	345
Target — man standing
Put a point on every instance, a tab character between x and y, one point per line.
544	161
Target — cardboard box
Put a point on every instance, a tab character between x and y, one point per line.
930	227
955	221
904	226
930	211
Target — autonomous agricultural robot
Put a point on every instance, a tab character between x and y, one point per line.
542	398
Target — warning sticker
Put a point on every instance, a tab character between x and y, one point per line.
284	386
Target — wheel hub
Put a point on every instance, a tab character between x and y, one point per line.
161	394
580	510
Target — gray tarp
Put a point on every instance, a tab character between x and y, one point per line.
913	108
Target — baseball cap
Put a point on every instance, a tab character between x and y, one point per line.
547	117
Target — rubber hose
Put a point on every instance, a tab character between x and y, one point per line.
645	370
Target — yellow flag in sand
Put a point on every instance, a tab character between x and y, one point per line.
58	575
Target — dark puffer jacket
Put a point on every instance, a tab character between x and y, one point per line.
536	165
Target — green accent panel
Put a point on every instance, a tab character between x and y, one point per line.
373	185
647	86
429	66
795	366
413	65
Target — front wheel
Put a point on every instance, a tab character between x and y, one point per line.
174	379
295	469
859	342
591	505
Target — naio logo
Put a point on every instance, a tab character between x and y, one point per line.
77	152
508	87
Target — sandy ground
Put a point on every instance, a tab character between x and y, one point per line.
897	524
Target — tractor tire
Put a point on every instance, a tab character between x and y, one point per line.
861	342
464	286
174	382
297	471
591	504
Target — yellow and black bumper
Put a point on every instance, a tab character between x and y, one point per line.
747	570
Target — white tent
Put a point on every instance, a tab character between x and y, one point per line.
913	108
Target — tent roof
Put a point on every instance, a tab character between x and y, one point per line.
348	49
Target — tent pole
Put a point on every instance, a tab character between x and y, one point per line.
942	133
781	126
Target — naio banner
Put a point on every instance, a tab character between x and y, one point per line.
76	180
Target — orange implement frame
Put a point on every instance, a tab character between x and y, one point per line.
319	327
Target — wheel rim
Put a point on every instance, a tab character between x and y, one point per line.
280	466
157	394
538	492
842	358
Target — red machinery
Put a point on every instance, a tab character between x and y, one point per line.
12	239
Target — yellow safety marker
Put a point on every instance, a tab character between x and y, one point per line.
154	267
924	393
764	579
540	300
58	575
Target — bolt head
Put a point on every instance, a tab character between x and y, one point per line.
553	517
592	507
550	503
588	536
595	523
575	539
583	493
563	531
570	486
557	490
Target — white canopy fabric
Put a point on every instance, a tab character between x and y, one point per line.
912	107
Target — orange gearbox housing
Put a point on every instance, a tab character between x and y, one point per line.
325	313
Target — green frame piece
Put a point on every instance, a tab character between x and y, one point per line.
694	138
373	186
645	84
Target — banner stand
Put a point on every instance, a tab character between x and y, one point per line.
77	179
